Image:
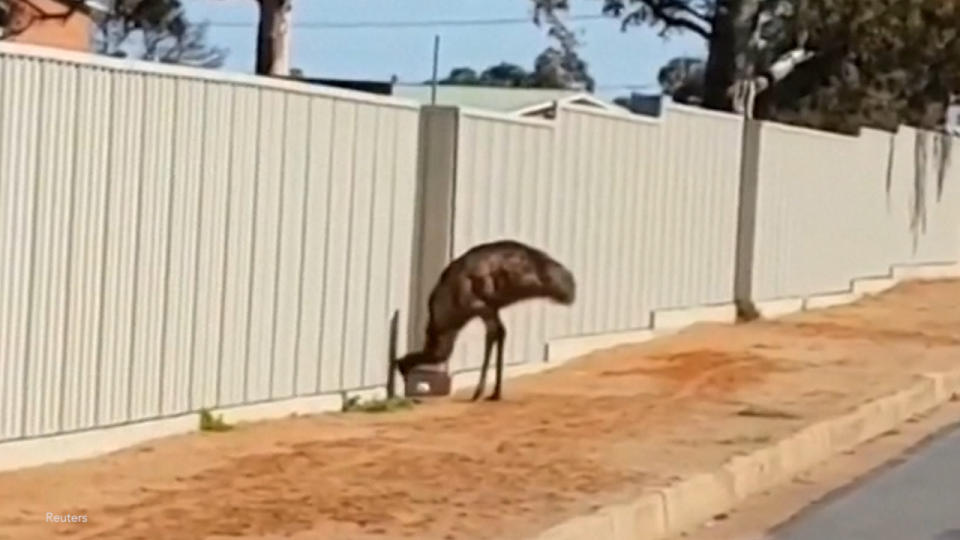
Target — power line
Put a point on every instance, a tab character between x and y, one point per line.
627	86
438	22
624	86
405	24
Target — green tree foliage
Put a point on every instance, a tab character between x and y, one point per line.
156	30
552	69
555	67
738	35
682	79
880	63
502	74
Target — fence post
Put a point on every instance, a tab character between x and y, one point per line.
433	225
747	219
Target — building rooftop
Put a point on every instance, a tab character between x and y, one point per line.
500	99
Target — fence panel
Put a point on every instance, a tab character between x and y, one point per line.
19	155
642	211
174	239
501	189
676	180
832	208
924	170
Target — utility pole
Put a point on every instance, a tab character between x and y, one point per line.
436	62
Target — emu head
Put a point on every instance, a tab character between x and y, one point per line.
410	361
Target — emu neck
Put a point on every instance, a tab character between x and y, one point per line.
439	345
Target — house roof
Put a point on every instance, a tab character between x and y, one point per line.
499	99
493	98
91	6
578	98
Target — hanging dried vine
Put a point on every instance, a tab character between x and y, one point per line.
942	153
918	214
891	152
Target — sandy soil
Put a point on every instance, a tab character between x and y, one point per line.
599	430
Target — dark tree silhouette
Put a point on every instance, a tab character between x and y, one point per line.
557	66
551	69
743	37
156	30
682	79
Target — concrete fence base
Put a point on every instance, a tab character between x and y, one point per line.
90	443
859	287
872	285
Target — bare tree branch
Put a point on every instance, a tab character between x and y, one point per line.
690	10
156	30
669	13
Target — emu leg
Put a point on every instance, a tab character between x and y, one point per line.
495	396
500	339
487	349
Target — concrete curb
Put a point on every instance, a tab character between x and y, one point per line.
691	502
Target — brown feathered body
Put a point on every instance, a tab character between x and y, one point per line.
479	283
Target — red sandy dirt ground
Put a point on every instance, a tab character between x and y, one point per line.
596	431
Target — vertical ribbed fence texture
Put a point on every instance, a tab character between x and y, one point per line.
643	211
832	208
173	239
502	190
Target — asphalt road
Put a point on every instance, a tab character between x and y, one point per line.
914	498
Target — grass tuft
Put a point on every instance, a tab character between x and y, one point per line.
377	405
208	422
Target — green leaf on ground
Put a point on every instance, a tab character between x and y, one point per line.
208	422
377	405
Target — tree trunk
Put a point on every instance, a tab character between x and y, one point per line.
273	38
728	60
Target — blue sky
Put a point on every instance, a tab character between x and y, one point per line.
615	58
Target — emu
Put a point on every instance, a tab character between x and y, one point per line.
479	283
